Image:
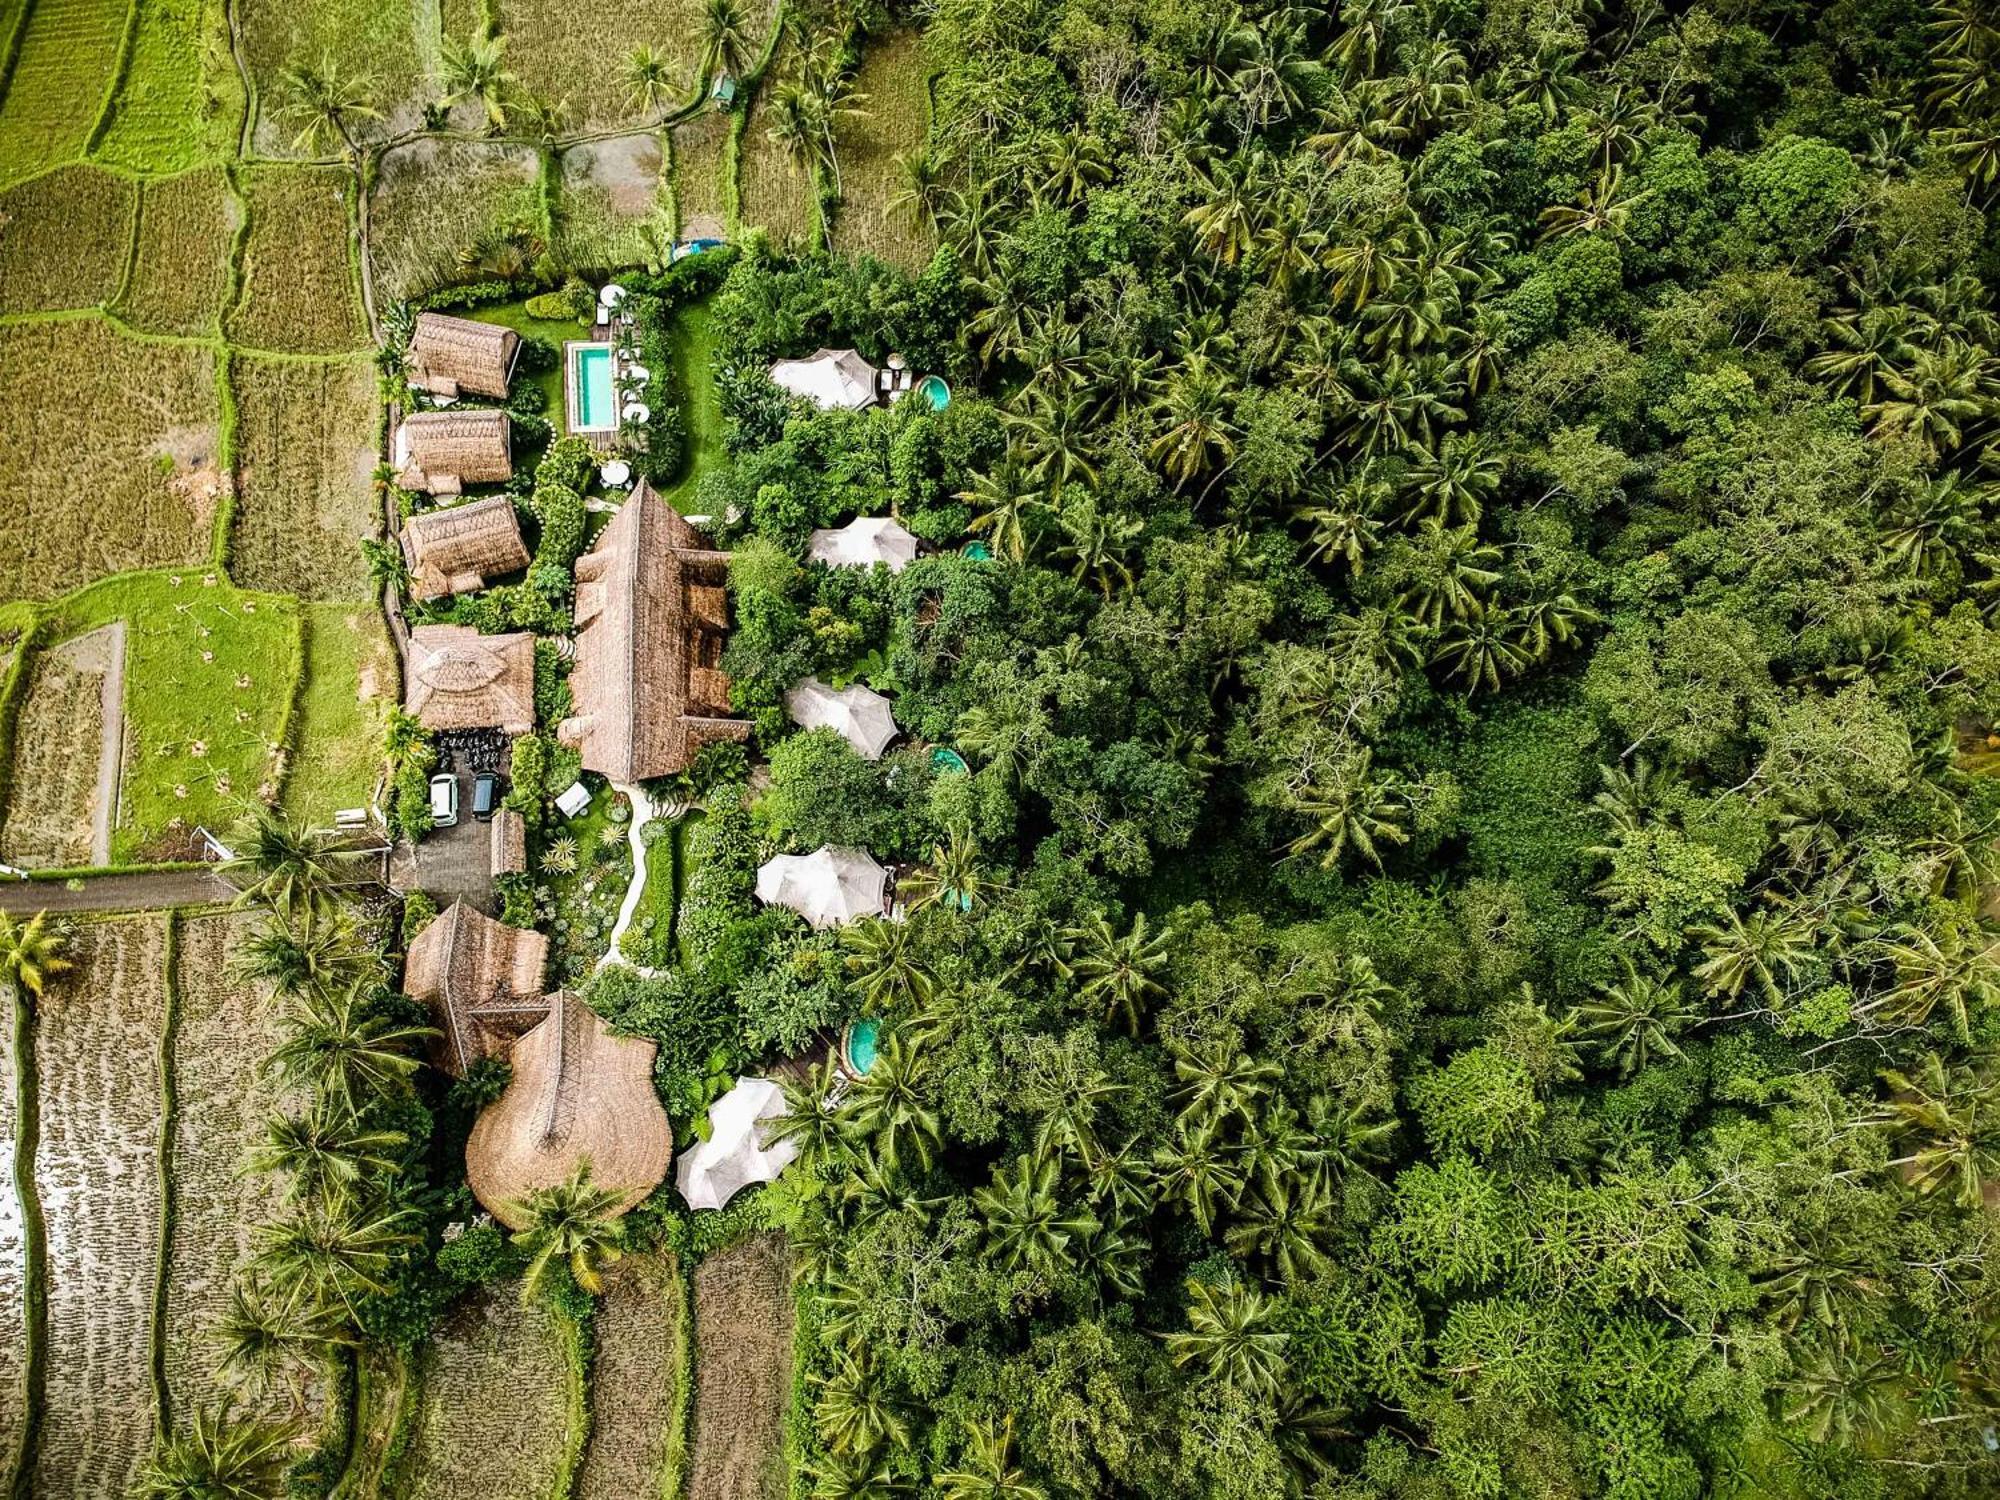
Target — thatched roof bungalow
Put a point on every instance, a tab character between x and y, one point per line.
579	1094
459	357
460	679
459	549
509	848
482	981
441	452
828	378
651	617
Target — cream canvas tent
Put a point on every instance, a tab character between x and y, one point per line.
735	1153
829	887
828	378
862	543
856	714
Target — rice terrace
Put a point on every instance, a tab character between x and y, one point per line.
999	750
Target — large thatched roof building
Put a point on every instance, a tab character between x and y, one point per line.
828	378
651	617
482	981
441	452
459	357
579	1094
460	679
456	550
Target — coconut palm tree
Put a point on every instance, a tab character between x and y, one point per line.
574	1221
266	1338
1767	951
989	1472
1287	1222
1199	434
1635	1019
1026	1222
812	1116
1950	1118
281	864
31	954
952	879
325	1149
1099	546
1005	501
889	1105
1120	974
650	80
1232	1336
1350	808
1838	1395
852	1410
1949	969
884	963
324	104
307	948
334	1251
218	1459
337	1047
727	42
922	197
1199	1172
476	70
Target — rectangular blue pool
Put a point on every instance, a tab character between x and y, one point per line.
593	403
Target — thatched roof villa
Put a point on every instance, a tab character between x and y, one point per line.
459	549
482	981
460	679
828	378
441	452
579	1094
651	616
459	357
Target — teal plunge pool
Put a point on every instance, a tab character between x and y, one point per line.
862	1038
593	400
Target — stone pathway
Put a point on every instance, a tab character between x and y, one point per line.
643	812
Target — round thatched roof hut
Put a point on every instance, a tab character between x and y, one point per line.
579	1093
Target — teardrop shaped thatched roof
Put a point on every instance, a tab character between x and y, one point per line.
579	1093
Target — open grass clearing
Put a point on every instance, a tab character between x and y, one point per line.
391	44
299	291
776	191
226	1029
436	202
350	686
612	210
97	1035
515	315
701	193
57	742
13	1251
576	50
743	1360
210	671
306	453
691	341
492	1417
171	110
110	454
61	75
180	269
63	238
898	117
634	1384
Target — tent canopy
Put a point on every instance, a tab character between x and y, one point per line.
735	1154
857	714
862	543
829	887
828	378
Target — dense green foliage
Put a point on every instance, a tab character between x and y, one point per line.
1459	968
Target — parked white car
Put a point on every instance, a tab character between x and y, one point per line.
444	801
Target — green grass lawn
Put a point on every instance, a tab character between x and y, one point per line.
210	671
350	685
514	315
691	341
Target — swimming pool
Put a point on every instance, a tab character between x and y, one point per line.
862	1037
593	403
934	391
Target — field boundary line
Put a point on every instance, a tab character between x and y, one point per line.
117	298
163	1166
12	55
677	1467
288	728
228	421
121	68
579	1336
13	687
34	1249
249	122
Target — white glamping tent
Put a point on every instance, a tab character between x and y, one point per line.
862	543
857	714
829	887
734	1155
828	378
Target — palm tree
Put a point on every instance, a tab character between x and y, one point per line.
1352	809
1118	973
1483	650
953	878
31	954
1004	501
1948	1116
923	198
326	1150
1843	1396
280	863
853	1479
574	1221
217	1459
1286	1221
334	1251
726	39
1199	1173
1603	206
1218	1082
1634	1019
852	1411
1200	433
884	963
1451	484
1099	546
324	104
266	1337
812	1115
649	79
1025	1218
303	949
989	1473
1951	968
1767	949
344	1054
889	1105
1232	1336
475	70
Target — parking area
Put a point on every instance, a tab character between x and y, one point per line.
457	862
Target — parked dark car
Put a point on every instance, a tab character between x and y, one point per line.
485	796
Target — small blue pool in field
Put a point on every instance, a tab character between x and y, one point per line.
862	1038
593	402
935	392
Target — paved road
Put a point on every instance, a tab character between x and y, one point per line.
143	892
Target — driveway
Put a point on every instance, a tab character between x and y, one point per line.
143	892
452	862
